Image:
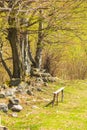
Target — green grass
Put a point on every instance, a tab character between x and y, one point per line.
69	115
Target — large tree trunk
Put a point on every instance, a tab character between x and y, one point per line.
38	57
12	37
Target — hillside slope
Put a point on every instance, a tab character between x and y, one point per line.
69	115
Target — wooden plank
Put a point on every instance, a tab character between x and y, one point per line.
59	90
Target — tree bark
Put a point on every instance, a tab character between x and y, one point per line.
38	57
12	37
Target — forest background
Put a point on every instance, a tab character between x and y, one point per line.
49	35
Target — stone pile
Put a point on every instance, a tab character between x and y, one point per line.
39	78
45	77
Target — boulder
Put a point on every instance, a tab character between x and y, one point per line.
14	115
15	82
45	75
14	101
39	89
36	74
29	92
35	107
2	95
16	108
3	107
39	80
23	85
4	86
52	79
45	84
9	93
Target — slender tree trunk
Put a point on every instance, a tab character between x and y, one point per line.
38	57
27	65
24	43
4	63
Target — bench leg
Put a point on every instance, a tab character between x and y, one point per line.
57	98
53	100
62	96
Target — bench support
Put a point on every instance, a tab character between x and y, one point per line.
56	96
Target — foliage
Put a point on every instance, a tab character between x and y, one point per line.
64	22
67	61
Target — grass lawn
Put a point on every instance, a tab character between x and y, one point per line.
69	115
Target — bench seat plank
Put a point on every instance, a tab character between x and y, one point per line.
58	91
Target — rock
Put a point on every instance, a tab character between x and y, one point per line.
45	84
23	85
32	88
3	107
45	75
39	89
35	70
4	86
52	79
2	95
19	90
40	80
17	108
35	107
9	93
15	82
29	92
38	84
45	79
14	101
36	74
14	115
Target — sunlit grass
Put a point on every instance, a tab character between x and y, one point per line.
69	115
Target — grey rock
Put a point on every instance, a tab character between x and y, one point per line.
39	89
45	75
23	85
45	84
52	79
14	101
2	95
29	92
32	88
40	80
14	115
4	86
3	107
35	107
35	70
9	93
17	108
15	82
19	90
36	74
45	79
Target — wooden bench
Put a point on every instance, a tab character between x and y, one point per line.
56	95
